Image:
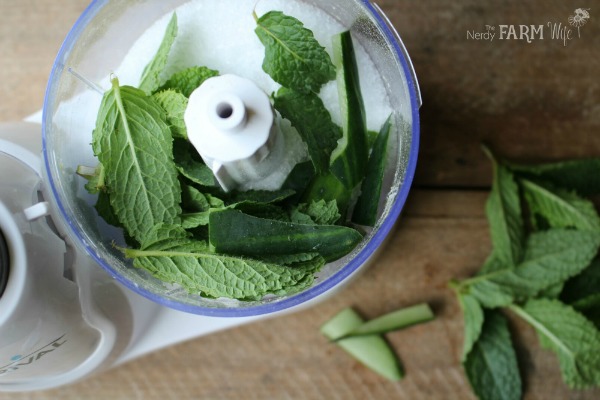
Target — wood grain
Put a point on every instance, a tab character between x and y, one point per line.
537	101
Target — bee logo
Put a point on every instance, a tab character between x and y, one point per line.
579	19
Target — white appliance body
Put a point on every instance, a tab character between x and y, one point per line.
62	317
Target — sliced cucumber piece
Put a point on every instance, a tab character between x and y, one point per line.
349	159
233	232
365	211
327	187
395	320
371	350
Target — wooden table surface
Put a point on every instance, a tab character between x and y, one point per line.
530	101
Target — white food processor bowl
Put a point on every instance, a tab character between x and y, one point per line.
96	47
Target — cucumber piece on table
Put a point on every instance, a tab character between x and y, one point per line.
395	320
371	350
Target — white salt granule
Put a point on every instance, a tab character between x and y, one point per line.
219	34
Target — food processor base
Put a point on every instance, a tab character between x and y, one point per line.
127	324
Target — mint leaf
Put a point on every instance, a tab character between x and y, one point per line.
302	174
503	210
260	196
188	80
261	203
316	212
192	200
105	211
586	284
583	292
560	208
172	256
551	257
491	264
194	220
190	164
287	259
491	366
581	176
174	105
134	145
262	210
308	115
473	322
234	232
293	57
349	158
573	338
365	210
150	79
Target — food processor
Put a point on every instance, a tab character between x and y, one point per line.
71	304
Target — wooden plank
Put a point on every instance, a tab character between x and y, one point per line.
30	36
533	101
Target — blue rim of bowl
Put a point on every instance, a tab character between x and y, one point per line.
295	300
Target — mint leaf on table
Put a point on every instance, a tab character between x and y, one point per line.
560	208
134	144
293	57
365	210
582	286
581	176
504	214
491	264
574	339
582	292
174	105
234	232
349	159
172	256
150	79
473	322
551	257
554	261
491	365
308	115
188	80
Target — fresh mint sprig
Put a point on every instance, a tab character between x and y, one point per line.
533	268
